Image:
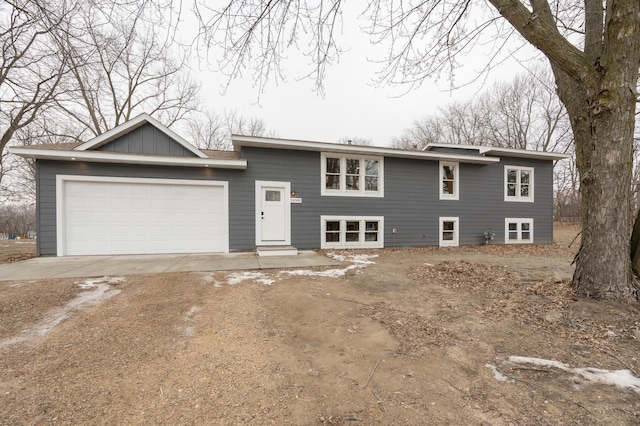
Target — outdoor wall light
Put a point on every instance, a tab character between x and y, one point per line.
293	194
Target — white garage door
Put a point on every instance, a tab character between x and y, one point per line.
147	216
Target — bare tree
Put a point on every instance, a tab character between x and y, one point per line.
30	70
423	132
18	219
592	46
211	130
349	140
120	68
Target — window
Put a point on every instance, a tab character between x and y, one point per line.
352	232
448	231
518	231
352	175
518	183
448	181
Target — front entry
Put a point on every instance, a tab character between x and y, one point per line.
273	213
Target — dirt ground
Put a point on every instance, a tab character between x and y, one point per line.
407	336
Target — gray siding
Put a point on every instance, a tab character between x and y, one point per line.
411	203
147	139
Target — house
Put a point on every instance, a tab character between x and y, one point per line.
140	188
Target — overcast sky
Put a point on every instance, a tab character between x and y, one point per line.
352	106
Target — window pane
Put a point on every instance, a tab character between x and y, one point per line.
371	226
513	235
371	167
353	183
352	236
511	190
333	226
353	226
447	236
524	191
448	172
526	235
512	176
524	176
371	236
513	227
371	183
272	196
333	165
332	237
524	226
447	226
447	187
332	181
353	166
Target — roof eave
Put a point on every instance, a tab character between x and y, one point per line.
259	142
108	157
505	152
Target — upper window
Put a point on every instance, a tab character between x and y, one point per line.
352	175
449	181
518	231
518	183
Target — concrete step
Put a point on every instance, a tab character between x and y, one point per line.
276	251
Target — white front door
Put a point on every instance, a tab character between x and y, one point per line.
273	213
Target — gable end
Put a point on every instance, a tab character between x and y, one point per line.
147	139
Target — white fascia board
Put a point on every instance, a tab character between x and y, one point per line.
507	152
133	124
259	142
108	157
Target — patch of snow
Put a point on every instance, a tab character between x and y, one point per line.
191	312
498	375
358	261
189	331
99	293
621	378
330	273
362	259
260	277
209	278
92	282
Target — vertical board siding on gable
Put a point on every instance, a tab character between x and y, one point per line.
147	139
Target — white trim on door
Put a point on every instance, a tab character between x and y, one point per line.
61	220
286	187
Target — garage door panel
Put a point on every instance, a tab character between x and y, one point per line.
144	217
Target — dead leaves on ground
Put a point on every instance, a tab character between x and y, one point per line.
548	305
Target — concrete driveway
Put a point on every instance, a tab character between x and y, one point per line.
92	266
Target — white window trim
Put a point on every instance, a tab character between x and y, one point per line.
517	197
342	243
456	232
519	221
456	179
342	192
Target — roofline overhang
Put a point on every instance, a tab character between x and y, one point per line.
131	125
261	142
108	157
505	152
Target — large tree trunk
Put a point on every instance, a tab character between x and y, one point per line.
602	117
